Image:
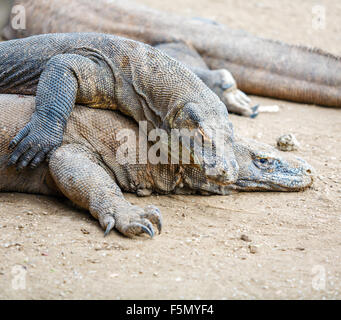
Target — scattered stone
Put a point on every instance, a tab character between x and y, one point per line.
85	231
110	247
287	142
9	245
253	249
94	261
244	237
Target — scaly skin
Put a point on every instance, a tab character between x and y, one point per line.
220	81
260	66
87	168
106	71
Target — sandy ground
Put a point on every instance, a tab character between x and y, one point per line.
50	250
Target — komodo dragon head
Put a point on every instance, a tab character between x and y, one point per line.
261	168
208	123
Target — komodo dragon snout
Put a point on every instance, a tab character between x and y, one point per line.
261	168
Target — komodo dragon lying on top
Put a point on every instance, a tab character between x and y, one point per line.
260	66
87	168
110	72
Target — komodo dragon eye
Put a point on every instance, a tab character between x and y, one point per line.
264	163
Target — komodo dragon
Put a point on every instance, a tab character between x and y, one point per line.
107	71
261	67
88	170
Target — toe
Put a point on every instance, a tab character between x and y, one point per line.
244	97
153	214
135	229
109	227
107	222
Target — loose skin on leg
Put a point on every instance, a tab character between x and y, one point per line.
78	174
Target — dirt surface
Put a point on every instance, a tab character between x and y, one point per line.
295	248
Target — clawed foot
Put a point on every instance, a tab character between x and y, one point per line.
133	221
34	143
225	86
238	102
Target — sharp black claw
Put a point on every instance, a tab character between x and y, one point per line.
255	108
147	230
159	226
254	111
110	226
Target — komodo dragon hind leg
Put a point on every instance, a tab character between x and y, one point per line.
79	175
219	81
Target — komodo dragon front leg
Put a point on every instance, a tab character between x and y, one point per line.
65	79
220	81
78	174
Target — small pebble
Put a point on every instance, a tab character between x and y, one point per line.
253	249
287	142
85	231
244	237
